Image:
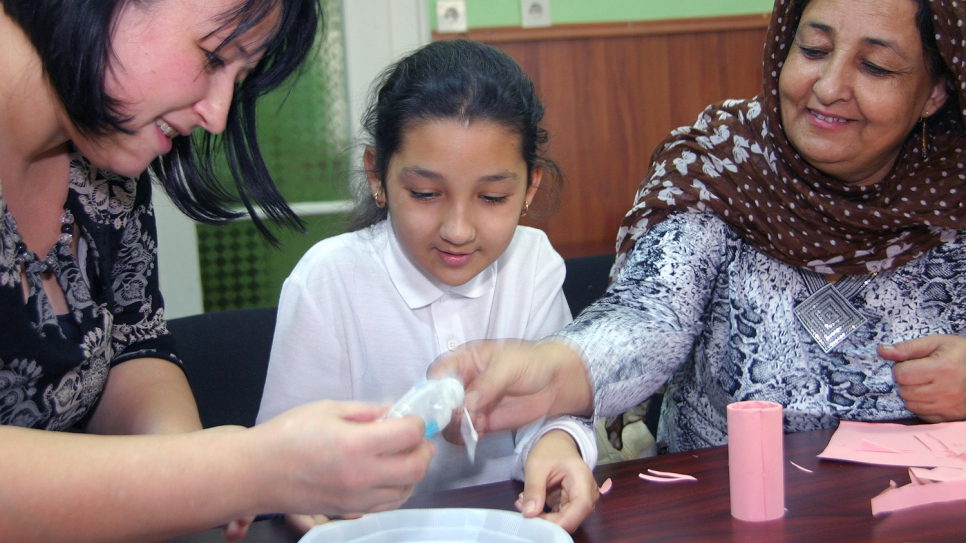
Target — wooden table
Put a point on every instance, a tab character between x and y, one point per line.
831	504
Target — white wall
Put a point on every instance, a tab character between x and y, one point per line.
177	259
377	33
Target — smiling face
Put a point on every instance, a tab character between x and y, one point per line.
455	192
167	78
854	85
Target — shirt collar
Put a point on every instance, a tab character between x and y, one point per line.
420	289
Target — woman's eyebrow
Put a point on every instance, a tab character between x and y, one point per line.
888	44
823	28
875	42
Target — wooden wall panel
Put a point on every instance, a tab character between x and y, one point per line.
613	92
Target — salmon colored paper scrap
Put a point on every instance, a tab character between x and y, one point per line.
924	445
936	475
605	488
665	476
918	493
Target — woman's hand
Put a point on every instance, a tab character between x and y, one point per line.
512	383
337	459
556	476
931	374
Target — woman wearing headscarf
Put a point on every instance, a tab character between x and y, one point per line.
805	247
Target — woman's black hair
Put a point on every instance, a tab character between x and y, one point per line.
73	39
453	79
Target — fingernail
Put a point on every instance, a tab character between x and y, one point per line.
530	507
887	346
472	400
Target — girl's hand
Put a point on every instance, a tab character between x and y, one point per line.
931	374
236	530
304	523
555	475
512	383
336	459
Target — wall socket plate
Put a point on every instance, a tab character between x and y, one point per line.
535	13
451	16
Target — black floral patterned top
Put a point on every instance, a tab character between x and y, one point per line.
53	367
698	308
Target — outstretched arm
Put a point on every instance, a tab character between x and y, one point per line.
320	458
511	383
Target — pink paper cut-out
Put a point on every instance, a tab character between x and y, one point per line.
953	450
756	461
914	446
605	488
912	495
932	443
936	475
872	446
665	476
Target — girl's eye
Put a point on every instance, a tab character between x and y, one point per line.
421	195
494	199
212	60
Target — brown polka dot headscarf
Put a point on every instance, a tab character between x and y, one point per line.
735	161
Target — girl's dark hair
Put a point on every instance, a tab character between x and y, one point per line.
453	79
73	40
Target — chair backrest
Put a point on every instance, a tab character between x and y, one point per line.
587	280
225	354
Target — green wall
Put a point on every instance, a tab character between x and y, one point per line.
488	13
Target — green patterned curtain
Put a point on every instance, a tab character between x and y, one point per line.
304	137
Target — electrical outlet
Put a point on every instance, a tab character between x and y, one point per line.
451	16
535	13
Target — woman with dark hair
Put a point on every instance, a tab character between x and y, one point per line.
97	99
807	246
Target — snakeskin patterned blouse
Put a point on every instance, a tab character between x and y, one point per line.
699	309
53	367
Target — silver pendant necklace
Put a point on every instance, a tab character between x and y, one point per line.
827	315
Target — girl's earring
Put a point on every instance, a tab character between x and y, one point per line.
526	208
375	196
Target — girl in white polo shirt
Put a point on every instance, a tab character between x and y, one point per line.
436	257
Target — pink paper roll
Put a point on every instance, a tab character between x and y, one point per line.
756	461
